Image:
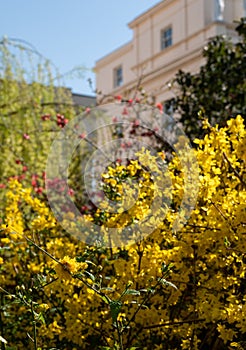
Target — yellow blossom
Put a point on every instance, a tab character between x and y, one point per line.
67	267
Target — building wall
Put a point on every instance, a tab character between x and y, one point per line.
193	23
106	66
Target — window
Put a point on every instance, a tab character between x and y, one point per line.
168	107
118	76
166	38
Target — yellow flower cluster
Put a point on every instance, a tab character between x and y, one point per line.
14	224
139	190
67	267
208	256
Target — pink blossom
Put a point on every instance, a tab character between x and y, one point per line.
70	192
125	111
82	136
159	106
118	97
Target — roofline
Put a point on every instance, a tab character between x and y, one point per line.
118	51
82	95
148	13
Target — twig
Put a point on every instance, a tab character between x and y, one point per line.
140	305
167	324
236	173
119	333
34	328
219	210
1	321
204	227
42	250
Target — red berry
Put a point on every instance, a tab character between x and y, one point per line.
21	177
45	117
34	183
61	121
39	190
84	208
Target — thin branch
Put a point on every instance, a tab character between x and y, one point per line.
25	108
42	250
220	211
46	284
119	333
236	173
34	328
204	227
138	86
202	287
167	324
147	298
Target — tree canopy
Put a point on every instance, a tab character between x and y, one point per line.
217	91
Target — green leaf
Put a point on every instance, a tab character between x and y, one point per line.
108	289
132	292
41	318
165	268
115	307
90	275
226	242
105	298
90	262
3	340
142	305
166	283
5	247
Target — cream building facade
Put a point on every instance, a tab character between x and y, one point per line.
169	36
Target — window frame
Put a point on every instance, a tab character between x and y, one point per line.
166	41
118	78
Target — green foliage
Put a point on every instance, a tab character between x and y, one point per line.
217	91
31	109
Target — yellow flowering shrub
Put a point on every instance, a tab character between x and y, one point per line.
84	296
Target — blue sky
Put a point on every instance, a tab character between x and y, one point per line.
71	32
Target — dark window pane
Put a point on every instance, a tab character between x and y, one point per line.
166	38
